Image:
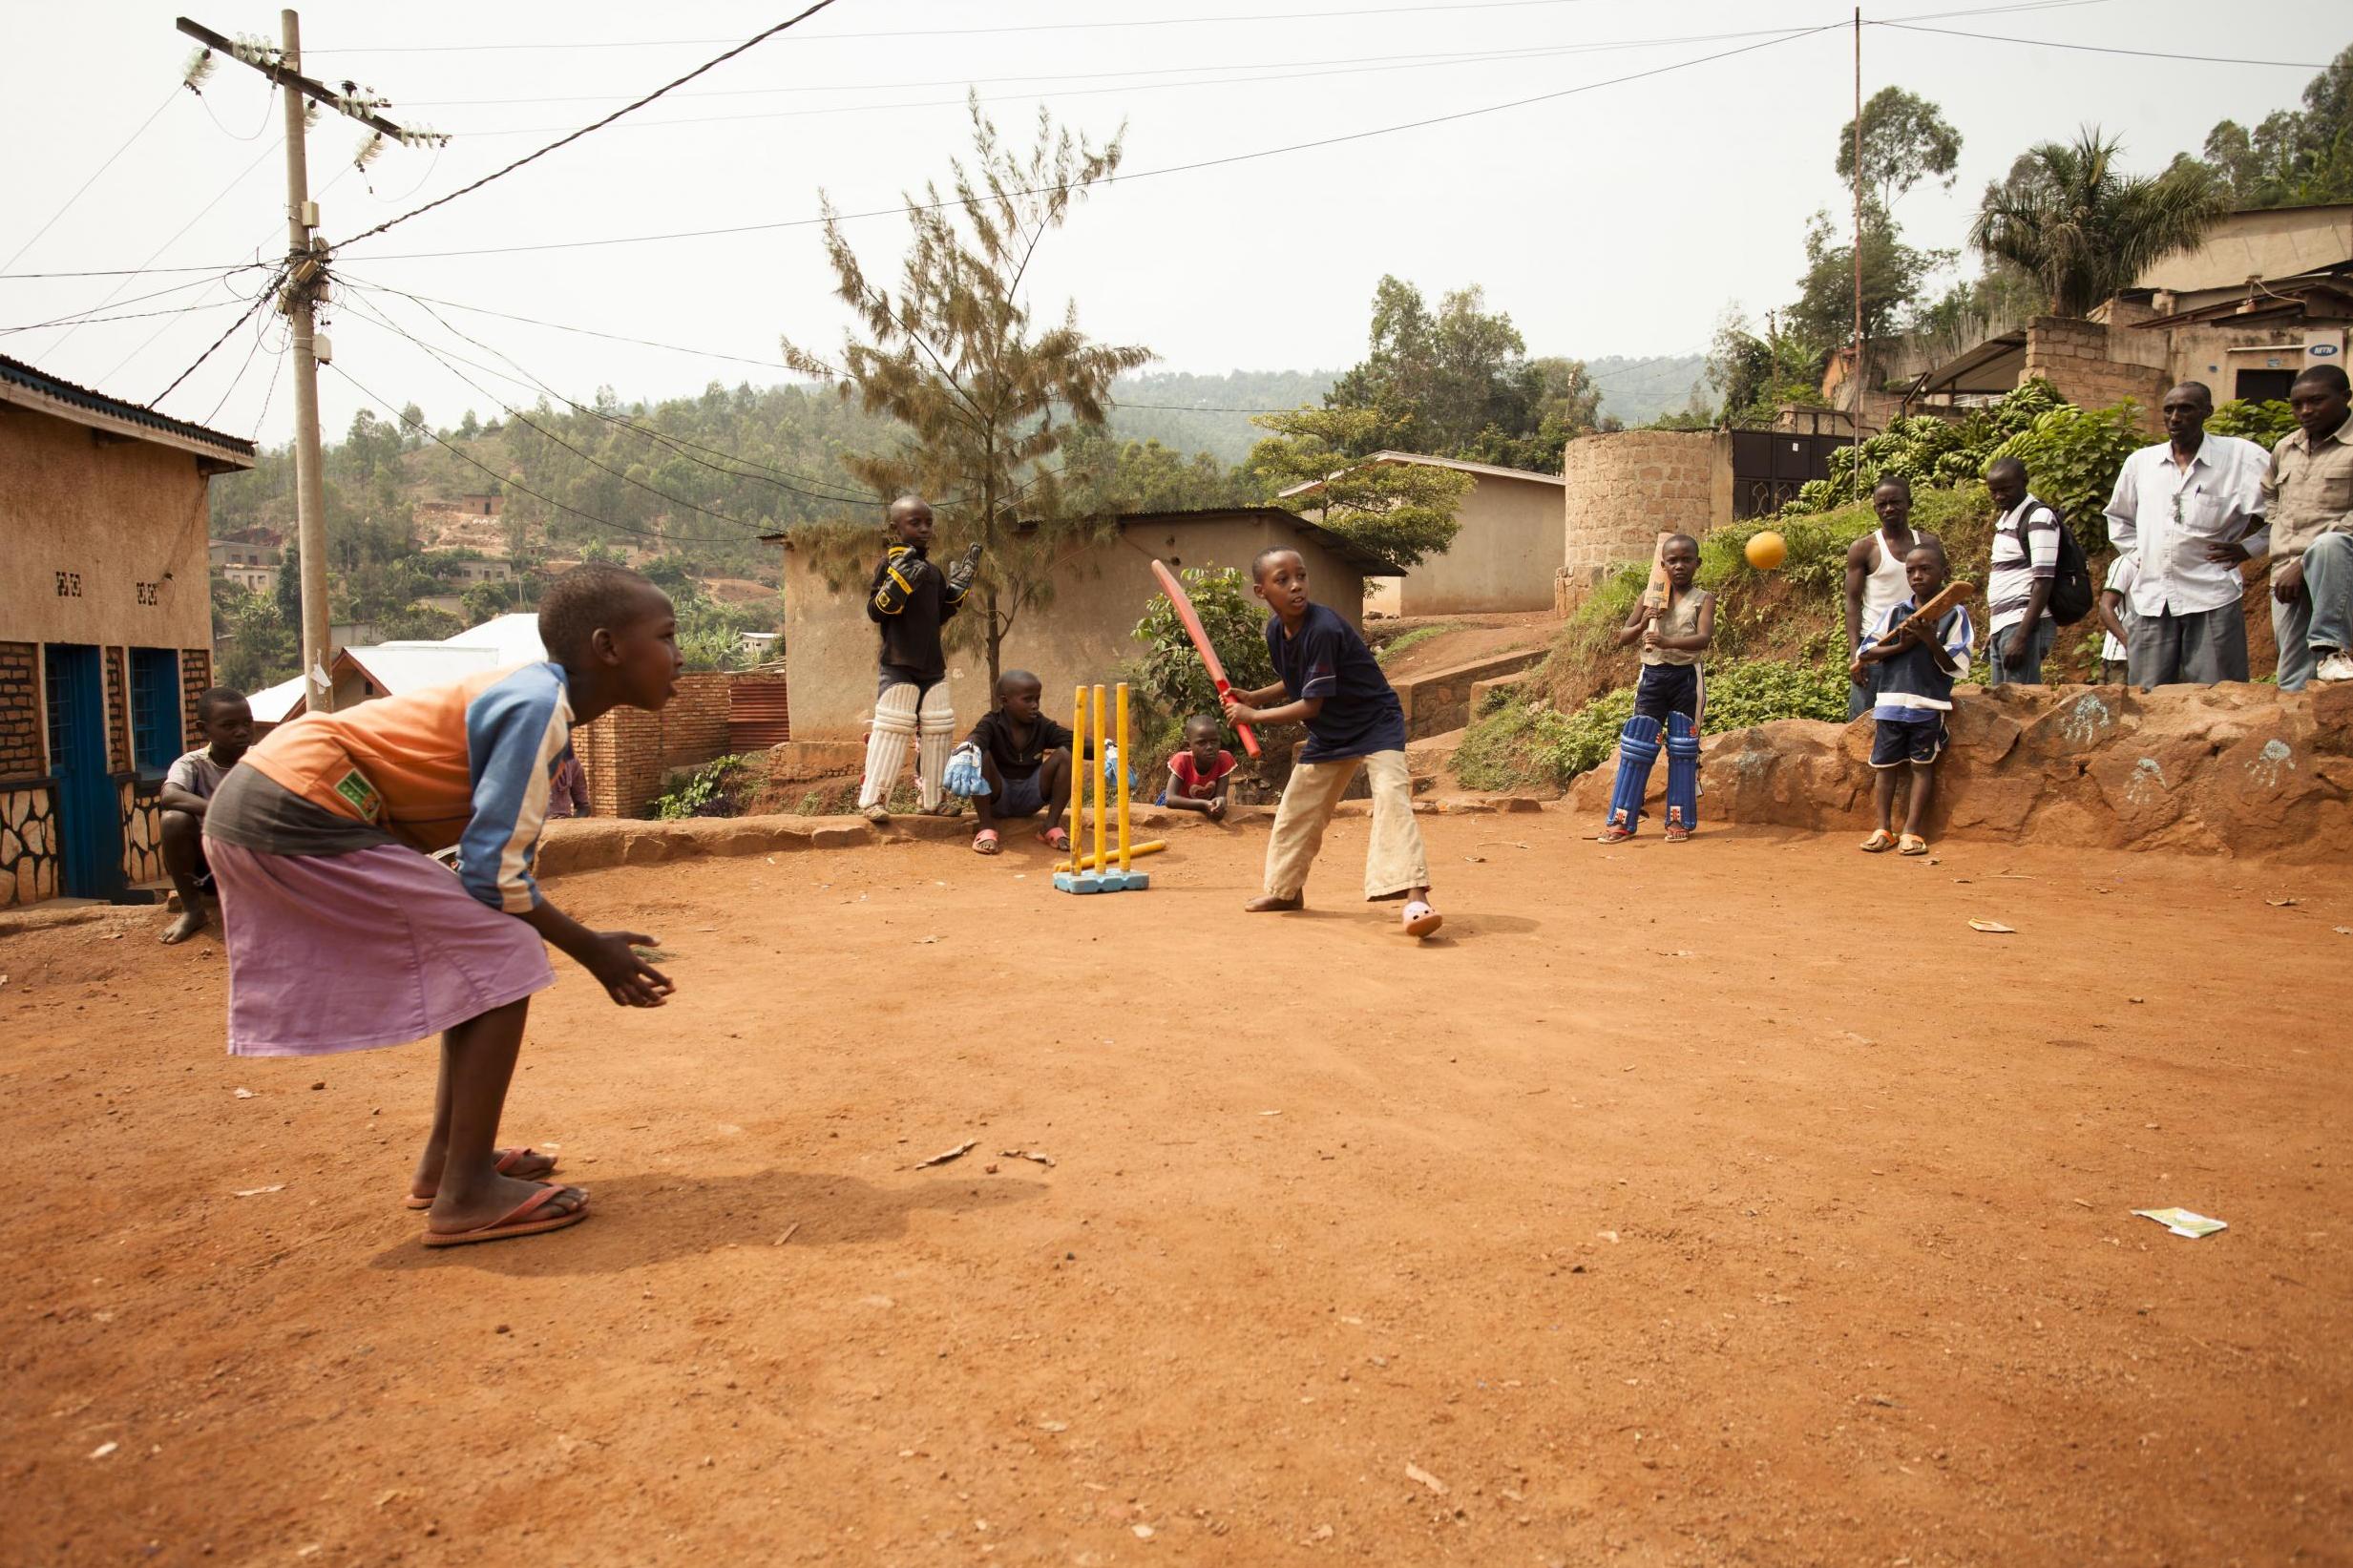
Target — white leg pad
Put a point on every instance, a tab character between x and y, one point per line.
886	741
936	724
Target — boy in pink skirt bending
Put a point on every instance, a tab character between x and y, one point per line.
345	934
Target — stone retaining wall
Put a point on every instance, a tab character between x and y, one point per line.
1441	700
2229	770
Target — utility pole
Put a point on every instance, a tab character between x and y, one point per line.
1858	367
306	285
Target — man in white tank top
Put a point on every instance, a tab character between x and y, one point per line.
1875	580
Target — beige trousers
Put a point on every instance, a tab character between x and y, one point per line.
1393	858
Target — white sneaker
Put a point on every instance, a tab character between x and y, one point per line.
2335	667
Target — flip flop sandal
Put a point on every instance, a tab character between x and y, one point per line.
509	1161
1878	842
515	1222
984	841
1425	922
1053	838
1912	843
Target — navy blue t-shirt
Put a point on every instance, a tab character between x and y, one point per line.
1328	659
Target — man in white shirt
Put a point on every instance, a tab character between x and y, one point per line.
2192	509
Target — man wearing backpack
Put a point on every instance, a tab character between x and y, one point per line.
2192	508
2025	580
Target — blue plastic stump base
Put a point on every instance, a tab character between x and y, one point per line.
1109	882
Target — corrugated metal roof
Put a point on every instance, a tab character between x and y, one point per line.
56	391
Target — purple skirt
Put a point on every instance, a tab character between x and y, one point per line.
378	947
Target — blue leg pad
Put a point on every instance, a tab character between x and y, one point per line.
1638	747
1682	771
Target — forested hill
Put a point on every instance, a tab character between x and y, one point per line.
1637	390
1190	413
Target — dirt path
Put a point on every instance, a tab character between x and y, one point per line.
1724	1203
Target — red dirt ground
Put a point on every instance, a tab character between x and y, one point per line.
1728	1204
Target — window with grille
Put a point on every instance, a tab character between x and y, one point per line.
155	710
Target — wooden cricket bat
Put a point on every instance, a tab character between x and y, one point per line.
1929	613
1657	594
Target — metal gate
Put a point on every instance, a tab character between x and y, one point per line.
1769	465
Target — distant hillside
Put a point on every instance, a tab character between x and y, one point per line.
1192	413
1638	390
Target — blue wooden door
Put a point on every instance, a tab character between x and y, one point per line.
89	818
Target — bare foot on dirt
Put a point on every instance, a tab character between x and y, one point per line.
179	930
525	1164
1269	904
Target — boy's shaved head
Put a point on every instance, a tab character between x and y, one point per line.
1266	558
219	699
590	596
1012	680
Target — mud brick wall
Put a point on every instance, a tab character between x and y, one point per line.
196	679
628	752
2081	360
28	844
1624	489
117	709
23	754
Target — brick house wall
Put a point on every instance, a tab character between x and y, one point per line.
1624	489
117	709
628	752
2085	361
22	748
28	810
196	679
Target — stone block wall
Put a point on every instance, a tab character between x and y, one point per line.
1624	489
28	844
1441	701
142	833
2085	361
628	752
22	751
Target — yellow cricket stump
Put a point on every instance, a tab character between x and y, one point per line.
1089	871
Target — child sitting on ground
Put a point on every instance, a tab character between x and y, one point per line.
1674	636
1353	718
1197	774
1917	667
187	792
1015	764
345	934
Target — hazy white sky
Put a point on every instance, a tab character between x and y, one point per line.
1619	221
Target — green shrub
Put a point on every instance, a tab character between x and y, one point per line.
2266	424
1928	451
1400	642
1170	676
703	793
1516	744
1756	691
2072	457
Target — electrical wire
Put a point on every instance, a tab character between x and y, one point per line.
767	474
753	530
510	483
83	188
1122	178
559	326
1273	71
2104	49
219	197
271	391
258	301
711	64
78	315
268	103
261	330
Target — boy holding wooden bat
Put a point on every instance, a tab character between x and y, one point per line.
1331	684
1917	648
